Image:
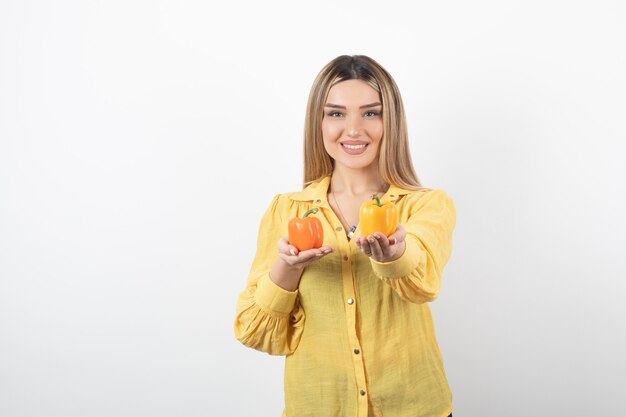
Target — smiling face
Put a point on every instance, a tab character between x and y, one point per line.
352	127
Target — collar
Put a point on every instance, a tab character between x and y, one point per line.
317	192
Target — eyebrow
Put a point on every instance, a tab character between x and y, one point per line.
365	106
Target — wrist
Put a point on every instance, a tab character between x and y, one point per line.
285	276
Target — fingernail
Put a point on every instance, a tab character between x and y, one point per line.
292	252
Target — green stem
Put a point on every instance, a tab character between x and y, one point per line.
312	211
375	197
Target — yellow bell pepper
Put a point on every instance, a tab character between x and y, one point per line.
378	217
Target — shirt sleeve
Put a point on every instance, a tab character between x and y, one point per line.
416	275
268	317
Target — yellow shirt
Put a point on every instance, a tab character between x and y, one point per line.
357	334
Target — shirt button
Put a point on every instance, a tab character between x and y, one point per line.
345	258
362	392
350	301
338	228
357	351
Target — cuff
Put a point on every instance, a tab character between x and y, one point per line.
270	297
408	262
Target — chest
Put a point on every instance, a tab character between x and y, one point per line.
347	209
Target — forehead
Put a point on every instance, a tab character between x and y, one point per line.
352	92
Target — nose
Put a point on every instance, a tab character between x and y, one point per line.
353	127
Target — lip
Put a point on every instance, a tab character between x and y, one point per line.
354	151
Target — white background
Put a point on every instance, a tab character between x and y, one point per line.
141	141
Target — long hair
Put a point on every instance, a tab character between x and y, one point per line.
394	158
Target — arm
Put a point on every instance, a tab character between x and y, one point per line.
269	318
416	274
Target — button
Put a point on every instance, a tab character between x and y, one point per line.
391	195
356	351
350	301
345	258
339	228
362	392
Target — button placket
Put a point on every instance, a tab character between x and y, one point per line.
345	251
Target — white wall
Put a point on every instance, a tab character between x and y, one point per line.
140	142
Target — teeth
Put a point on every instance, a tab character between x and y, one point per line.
354	146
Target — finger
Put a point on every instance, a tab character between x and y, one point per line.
327	249
301	259
315	252
312	253
308	255
383	242
377	252
365	246
359	240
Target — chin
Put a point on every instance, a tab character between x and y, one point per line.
353	164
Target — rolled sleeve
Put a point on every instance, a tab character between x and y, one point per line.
408	262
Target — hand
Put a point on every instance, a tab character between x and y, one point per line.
290	263
380	248
298	260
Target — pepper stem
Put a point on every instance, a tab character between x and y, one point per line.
377	200
312	211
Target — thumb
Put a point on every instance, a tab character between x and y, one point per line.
397	236
285	247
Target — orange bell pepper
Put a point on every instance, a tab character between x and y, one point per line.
306	233
378	217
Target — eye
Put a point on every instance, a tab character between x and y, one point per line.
334	114
371	114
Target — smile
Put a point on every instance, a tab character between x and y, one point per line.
354	149
354	146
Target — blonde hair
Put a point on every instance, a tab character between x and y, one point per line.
394	159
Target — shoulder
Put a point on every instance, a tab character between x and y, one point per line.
427	198
312	193
282	203
428	194
279	201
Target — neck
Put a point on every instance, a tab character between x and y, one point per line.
356	182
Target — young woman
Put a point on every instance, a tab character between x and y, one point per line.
352	316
